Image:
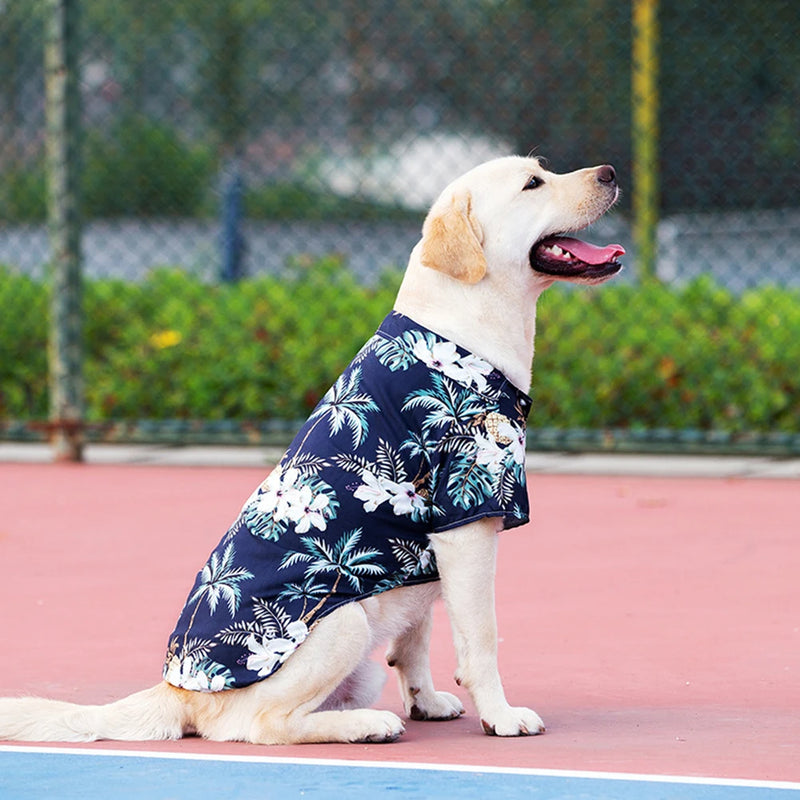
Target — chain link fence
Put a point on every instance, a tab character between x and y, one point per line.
251	177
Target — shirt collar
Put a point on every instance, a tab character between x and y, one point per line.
439	353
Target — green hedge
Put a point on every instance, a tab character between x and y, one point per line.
619	356
700	357
175	347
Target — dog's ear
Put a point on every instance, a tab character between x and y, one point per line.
451	240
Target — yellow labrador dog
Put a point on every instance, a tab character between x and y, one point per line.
393	493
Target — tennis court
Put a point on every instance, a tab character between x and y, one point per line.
653	622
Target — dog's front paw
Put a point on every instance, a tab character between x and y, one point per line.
513	722
435	706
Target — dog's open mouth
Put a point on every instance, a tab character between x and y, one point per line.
569	259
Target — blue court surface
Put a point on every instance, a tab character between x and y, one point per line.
72	774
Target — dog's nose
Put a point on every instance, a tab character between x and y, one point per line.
606	174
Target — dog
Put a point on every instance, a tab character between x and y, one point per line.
392	494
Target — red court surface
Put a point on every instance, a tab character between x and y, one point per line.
654	623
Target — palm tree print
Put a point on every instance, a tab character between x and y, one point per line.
306	592
345	406
343	559
219	579
447	403
270	621
413	558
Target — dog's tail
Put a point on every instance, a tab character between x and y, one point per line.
156	713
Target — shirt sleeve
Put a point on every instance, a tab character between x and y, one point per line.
475	476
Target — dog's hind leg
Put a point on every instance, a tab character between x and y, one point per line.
282	708
408	654
360	689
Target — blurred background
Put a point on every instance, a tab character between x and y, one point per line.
206	206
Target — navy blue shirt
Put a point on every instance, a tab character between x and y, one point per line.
417	436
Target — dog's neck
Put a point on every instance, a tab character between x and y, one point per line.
496	323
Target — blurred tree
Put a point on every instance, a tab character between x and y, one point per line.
283	81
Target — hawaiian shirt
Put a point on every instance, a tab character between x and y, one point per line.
417	436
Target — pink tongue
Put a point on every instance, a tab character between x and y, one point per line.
588	253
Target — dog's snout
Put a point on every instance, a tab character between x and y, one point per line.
606	174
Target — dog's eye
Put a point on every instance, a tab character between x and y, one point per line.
533	183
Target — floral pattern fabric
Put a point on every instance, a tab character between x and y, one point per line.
417	436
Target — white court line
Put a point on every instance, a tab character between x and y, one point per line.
405	765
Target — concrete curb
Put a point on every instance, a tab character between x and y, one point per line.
660	465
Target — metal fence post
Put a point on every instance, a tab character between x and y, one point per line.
62	135
232	242
644	134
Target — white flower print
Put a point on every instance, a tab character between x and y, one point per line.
267	654
279	496
443	357
173	672
440	356
405	499
186	675
306	510
488	453
376	490
373	491
287	499
475	371
517	436
426	558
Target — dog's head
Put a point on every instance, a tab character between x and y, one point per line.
511	212
494	240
